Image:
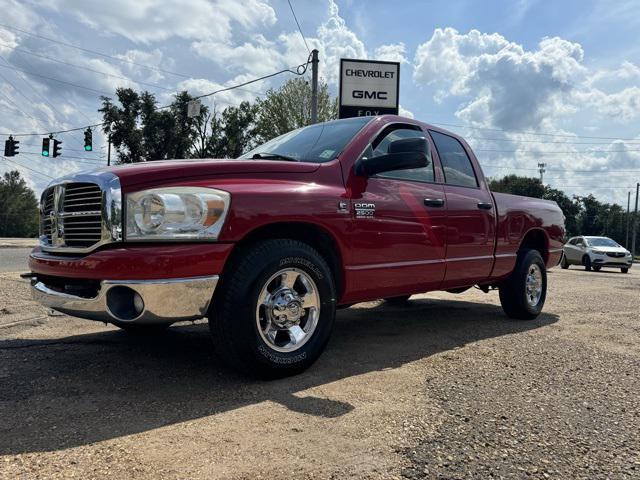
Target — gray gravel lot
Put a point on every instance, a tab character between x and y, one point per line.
14	259
443	388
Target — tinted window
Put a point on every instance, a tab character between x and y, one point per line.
455	162
573	241
316	143
381	147
602	242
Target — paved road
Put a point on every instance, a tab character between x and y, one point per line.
443	387
14	259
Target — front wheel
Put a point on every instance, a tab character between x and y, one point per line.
624	270
596	268
523	294
274	312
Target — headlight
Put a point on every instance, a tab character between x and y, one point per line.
597	252
176	213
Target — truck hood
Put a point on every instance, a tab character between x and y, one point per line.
160	171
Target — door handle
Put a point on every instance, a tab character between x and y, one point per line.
485	205
433	202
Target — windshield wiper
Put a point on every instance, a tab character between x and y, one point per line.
273	156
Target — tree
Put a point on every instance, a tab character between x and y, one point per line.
238	128
140	131
19	207
289	107
570	208
516	185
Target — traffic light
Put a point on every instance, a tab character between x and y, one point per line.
45	147
56	148
11	147
88	140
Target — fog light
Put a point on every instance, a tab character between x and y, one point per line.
124	303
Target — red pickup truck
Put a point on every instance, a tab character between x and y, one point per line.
268	245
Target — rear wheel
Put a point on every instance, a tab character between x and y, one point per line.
624	270
586	261
564	263
274	312
523	294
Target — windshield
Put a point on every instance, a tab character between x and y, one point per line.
601	242
316	143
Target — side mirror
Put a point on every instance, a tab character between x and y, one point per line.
403	154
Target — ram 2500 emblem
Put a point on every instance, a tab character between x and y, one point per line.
365	210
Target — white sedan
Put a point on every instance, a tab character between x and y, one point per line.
595	253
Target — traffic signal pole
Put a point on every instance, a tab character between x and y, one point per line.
109	150
314	86
635	223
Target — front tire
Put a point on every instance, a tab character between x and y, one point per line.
596	268
274	311
624	270
523	294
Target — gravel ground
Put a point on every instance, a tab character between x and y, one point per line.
445	387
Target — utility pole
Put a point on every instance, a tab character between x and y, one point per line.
635	223
314	86
109	150
541	170
626	237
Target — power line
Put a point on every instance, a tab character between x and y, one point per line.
28	52
300	70
101	92
87	50
299	28
24	166
531	133
542	152
545	141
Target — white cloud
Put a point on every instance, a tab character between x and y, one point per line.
506	85
147	21
393	52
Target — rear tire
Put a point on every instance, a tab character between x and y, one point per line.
251	314
564	263
624	270
523	294
586	261
398	301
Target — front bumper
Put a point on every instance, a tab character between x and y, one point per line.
139	301
606	261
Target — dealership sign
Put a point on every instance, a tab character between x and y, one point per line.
368	87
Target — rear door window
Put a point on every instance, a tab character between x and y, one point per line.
456	164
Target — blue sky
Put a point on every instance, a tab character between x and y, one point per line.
500	70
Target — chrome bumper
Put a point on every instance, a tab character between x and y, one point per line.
163	301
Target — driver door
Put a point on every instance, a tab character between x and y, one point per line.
399	225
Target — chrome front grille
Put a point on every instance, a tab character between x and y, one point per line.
616	254
45	217
81	213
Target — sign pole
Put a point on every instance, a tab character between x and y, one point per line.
635	224
314	86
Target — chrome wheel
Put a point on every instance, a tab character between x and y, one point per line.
288	310
534	285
